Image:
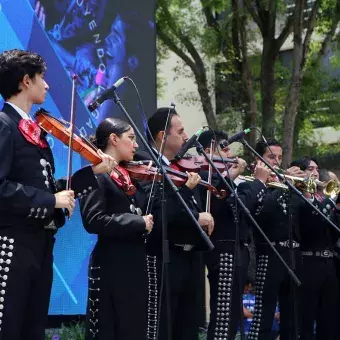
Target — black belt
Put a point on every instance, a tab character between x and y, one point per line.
318	253
185	247
242	243
284	244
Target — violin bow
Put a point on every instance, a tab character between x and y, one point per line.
70	145
208	201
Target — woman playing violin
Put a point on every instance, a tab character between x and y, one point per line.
117	271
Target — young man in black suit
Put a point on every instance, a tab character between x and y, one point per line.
319	289
30	207
227	277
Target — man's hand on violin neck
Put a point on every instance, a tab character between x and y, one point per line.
65	199
206	221
193	179
106	165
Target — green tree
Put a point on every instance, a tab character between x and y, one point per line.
208	32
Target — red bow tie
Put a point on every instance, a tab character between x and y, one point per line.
123	179
32	132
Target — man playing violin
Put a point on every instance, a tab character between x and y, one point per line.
30	206
273	282
185	263
319	289
225	277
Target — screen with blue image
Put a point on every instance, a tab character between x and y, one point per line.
100	41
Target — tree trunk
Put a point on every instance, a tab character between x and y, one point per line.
293	101
268	88
203	91
248	82
240	46
293	98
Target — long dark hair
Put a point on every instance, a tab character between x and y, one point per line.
104	130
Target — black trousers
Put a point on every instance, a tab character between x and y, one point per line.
26	270
117	296
274	285
319	293
337	269
185	296
226	289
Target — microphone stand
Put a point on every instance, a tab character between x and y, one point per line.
200	149
165	241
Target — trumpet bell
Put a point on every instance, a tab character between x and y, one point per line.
307	184
332	188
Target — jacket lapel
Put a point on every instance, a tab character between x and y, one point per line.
46	153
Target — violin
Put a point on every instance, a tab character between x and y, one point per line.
57	129
80	145
139	170
198	163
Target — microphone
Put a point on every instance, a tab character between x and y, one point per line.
106	94
189	143
238	136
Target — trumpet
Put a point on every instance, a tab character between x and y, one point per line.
307	184
331	188
269	184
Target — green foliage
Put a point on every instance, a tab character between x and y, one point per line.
74	332
202	336
214	40
77	332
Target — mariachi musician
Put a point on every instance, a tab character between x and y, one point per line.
117	270
185	265
273	283
30	207
226	277
319	288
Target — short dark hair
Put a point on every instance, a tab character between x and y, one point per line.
106	128
14	65
303	162
158	120
324	175
262	145
206	137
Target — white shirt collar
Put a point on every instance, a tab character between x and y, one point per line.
165	160
21	112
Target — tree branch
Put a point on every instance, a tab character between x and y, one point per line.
194	60
211	20
254	14
174	48
309	32
272	17
183	38
288	29
328	38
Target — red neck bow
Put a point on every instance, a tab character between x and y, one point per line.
123	180
32	132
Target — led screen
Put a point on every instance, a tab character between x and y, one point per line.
100	41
